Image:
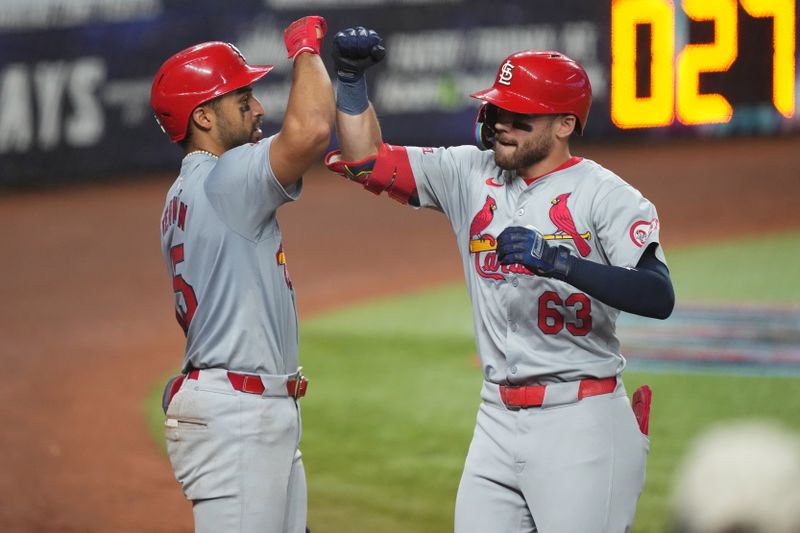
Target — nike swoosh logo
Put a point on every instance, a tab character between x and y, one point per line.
490	182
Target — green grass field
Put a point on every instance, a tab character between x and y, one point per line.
394	394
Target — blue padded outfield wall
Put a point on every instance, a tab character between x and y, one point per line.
75	74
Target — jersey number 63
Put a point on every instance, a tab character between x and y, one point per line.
551	320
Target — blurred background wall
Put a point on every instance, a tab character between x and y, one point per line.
75	74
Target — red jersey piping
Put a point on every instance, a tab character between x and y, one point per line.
574	160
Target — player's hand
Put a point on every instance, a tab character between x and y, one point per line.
355	50
527	247
304	35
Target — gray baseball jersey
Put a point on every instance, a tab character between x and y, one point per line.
235	453
575	463
531	329
223	248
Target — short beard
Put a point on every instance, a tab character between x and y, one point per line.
527	154
233	136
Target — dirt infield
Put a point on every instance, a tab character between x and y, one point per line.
87	324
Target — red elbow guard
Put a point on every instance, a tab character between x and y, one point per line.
389	170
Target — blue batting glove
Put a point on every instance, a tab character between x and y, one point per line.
355	50
527	247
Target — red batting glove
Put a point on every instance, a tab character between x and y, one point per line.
301	36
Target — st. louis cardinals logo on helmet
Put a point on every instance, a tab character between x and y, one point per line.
544	82
506	73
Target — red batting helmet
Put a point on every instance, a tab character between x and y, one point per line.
194	76
541	82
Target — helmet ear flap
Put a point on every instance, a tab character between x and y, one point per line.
484	126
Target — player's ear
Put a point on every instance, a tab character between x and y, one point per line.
202	117
565	125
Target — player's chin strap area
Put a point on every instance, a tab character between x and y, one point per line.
388	171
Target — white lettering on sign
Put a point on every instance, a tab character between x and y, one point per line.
506	73
132	97
50	80
26	15
274	97
493	44
48	103
403	95
86	124
16	109
578	40
414	51
397	93
262	44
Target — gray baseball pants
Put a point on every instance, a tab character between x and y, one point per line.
567	467
236	455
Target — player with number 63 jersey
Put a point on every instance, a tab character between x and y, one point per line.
553	247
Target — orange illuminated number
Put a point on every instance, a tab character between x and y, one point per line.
678	93
627	109
693	107
783	37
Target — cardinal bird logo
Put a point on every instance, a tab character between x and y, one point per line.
562	218
483	245
483	218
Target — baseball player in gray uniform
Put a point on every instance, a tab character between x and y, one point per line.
233	422
553	247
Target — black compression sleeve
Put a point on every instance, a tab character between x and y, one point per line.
645	290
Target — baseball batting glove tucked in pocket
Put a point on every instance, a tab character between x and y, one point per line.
641	401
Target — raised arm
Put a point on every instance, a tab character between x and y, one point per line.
357	127
363	156
309	118
359	135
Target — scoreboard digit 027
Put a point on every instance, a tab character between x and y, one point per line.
699	61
